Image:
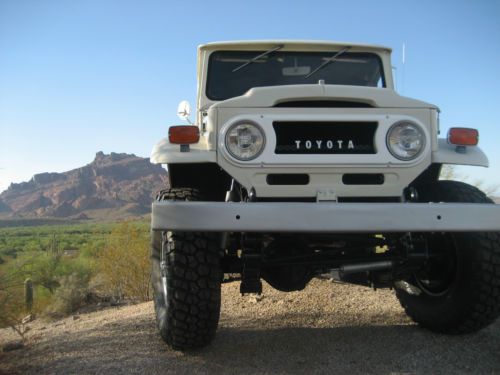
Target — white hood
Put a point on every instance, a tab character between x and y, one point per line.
262	97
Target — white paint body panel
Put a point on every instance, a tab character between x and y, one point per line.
166	153
325	171
448	154
262	97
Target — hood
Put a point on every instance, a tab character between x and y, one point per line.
262	97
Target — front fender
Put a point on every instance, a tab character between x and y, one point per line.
447	154
165	152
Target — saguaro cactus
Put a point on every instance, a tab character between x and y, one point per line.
28	295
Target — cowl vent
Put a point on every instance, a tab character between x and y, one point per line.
322	104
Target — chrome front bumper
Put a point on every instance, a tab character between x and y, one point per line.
324	217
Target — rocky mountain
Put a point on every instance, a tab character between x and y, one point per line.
111	186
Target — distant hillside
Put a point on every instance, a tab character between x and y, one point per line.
112	186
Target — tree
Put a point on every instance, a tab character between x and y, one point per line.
43	271
12	300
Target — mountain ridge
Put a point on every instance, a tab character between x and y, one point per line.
115	185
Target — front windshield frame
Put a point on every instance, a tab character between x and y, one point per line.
241	55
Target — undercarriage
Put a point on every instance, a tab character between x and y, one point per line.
288	262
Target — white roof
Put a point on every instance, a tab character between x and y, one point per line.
289	45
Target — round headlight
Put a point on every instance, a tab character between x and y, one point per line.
245	140
405	140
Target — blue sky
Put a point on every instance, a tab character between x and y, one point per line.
81	76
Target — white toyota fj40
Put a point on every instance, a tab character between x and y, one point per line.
303	160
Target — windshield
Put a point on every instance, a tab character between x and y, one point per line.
230	74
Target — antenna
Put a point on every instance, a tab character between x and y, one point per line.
403	60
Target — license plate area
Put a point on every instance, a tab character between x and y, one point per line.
325	137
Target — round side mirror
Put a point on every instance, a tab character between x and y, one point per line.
184	110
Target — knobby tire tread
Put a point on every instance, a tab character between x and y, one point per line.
193	282
481	307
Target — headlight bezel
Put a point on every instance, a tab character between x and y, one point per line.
423	138
234	125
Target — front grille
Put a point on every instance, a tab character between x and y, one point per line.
318	137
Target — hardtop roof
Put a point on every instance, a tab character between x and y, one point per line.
289	45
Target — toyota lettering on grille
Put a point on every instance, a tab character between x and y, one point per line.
301	137
322	144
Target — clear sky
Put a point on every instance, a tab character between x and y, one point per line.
81	76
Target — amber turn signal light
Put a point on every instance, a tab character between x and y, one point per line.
184	134
463	136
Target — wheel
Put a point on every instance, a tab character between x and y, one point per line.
458	290
186	279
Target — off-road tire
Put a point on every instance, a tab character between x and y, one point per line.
188	315
472	299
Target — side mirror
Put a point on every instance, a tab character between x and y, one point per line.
184	110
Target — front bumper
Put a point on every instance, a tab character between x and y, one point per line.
324	217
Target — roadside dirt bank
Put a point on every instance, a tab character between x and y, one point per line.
327	328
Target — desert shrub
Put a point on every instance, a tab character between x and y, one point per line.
69	296
36	252
43	270
59	285
42	299
11	252
93	249
74	266
124	263
12	306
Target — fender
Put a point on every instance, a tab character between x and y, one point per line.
447	154
165	152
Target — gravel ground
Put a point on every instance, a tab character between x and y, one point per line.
327	328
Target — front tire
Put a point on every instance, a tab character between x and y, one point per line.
186	279
459	288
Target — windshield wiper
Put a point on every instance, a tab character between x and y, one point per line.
258	57
328	61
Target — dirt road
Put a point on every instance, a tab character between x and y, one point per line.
328	328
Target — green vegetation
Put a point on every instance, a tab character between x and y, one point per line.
126	253
54	270
17	240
